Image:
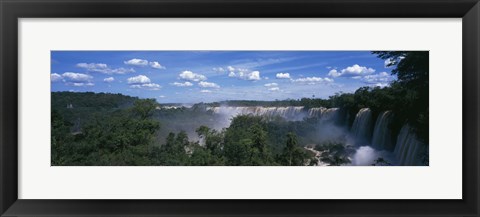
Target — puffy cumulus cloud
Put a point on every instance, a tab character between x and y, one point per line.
205	84
136	62
54	77
355	70
283	75
109	79
255	75
190	76
271	85
184	84
334	73
103	68
156	65
142	82
142	63
313	80
245	75
76	77
141	79
205	91
274	89
73	79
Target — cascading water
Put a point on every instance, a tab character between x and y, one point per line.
316	112
330	115
293	113
362	127
408	149
382	135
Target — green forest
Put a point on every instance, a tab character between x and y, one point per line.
93	129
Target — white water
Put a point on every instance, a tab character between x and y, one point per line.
292	113
361	128
316	112
382	135
408	149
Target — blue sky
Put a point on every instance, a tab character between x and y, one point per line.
209	76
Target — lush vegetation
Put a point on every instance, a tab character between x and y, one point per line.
113	129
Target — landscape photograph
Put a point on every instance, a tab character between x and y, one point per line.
239	108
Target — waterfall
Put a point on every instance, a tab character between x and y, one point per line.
382	135
316	112
331	115
292	113
362	126
408	149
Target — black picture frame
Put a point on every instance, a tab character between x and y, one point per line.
12	10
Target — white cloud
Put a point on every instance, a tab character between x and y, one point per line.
103	68
76	77
141	79
245	75
274	89
270	85
73	79
334	73
92	66
205	91
184	84
161	96
156	65
143	63
313	80
382	79
76	84
208	84
231	68
54	77
147	86
109	79
151	86
355	70
142	82
219	69
136	62
388	63
190	76
255	75
283	75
